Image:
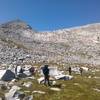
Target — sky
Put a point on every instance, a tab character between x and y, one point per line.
50	15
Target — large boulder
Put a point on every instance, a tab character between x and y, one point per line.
10	95
6	75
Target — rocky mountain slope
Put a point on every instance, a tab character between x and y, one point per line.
80	45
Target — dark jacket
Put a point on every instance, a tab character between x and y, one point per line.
45	70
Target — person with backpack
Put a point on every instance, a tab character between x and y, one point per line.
32	70
81	70
70	70
46	74
18	71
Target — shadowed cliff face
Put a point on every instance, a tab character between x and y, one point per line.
74	45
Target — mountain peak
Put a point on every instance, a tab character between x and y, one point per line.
17	23
14	21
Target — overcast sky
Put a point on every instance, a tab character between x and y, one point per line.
51	14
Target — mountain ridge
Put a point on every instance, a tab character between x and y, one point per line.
65	46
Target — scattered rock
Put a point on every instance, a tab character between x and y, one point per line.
19	95
2	82
4	87
27	73
63	85
40	92
28	84
64	77
12	82
55	89
12	91
85	69
53	82
89	76
98	90
32	77
40	80
97	77
29	97
77	84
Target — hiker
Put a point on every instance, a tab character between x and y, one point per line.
70	70
18	71
32	70
15	70
81	71
46	74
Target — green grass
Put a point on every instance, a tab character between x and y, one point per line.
79	88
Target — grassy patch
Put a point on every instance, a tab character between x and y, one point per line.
79	88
